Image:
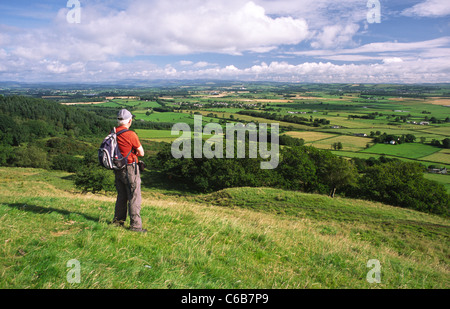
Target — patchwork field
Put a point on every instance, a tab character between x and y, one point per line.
440	156
310	136
417	131
238	117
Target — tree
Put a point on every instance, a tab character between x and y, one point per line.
403	184
446	143
94	179
296	169
333	173
337	146
410	138
435	142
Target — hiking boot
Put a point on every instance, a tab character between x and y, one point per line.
118	223
139	230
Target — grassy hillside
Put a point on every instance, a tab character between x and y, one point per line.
235	238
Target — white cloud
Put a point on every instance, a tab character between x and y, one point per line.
55	67
387	71
183	27
201	64
377	48
392	60
185	62
157	27
429	8
335	36
319	13
104	45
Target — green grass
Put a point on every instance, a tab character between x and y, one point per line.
406	150
156	134
443	179
242	238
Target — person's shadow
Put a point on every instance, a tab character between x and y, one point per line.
46	210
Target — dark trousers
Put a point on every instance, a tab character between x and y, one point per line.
128	185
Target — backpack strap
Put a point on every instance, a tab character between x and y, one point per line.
121	132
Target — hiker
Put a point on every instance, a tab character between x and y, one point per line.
128	180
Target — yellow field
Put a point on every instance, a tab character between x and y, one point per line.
310	136
444	101
349	143
440	101
440	156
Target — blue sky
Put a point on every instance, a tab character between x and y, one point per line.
275	40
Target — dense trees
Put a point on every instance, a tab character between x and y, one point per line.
403	184
287	140
301	168
24	119
45	134
311	170
387	138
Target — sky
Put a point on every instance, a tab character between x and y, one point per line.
313	41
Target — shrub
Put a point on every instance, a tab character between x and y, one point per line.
66	163
94	179
30	156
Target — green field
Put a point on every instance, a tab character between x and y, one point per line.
170	117
406	150
162	135
443	179
244	238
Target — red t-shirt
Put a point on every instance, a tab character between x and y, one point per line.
128	141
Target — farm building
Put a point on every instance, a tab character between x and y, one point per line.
437	170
